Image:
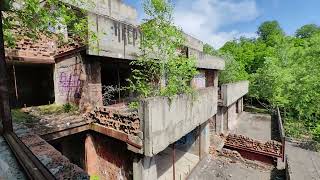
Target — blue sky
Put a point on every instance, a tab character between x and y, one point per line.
218	21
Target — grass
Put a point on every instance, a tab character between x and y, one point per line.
303	130
57	109
19	116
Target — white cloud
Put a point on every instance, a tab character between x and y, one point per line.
205	18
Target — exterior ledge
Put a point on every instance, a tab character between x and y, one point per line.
167	121
231	92
210	62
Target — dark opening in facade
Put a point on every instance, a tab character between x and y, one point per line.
30	84
114	77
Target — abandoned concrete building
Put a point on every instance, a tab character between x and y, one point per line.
160	140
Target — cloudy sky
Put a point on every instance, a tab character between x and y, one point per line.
218	21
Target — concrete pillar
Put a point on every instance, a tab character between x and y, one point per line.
204	139
144	168
220	120
242	108
216	77
91	156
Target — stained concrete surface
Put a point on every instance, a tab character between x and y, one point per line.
256	126
184	163
9	167
302	163
222	168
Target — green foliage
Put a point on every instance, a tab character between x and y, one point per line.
208	49
134	105
19	116
94	177
161	69
69	108
270	32
307	31
284	71
234	71
57	109
35	18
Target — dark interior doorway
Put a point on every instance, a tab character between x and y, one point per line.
30	85
115	74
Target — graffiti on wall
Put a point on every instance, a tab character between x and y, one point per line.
69	82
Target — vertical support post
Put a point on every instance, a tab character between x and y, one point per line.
5	111
199	132
119	83
15	82
174	160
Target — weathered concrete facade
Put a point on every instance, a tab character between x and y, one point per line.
230	105
165	122
77	79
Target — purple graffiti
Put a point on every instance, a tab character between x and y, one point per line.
69	82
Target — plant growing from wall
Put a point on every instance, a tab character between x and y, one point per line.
161	68
36	18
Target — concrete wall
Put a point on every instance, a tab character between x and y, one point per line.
193	43
233	91
77	80
232	116
206	61
115	38
115	9
165	122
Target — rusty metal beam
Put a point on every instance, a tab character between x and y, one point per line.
113	133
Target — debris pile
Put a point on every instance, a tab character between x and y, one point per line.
121	119
273	148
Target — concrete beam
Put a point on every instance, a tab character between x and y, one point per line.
231	92
211	62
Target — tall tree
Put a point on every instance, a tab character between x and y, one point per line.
270	32
307	31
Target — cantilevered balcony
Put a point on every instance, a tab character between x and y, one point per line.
158	122
231	92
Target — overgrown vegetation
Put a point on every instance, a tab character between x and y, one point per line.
162	69
284	71
37	18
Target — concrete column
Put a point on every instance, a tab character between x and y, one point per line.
216	77
204	139
91	156
242	108
144	168
219	120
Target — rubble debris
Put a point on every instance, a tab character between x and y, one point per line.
272	148
121	119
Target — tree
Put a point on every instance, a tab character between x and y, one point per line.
234	71
160	70
270	32
307	31
208	49
35	18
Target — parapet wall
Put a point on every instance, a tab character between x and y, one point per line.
166	122
231	92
